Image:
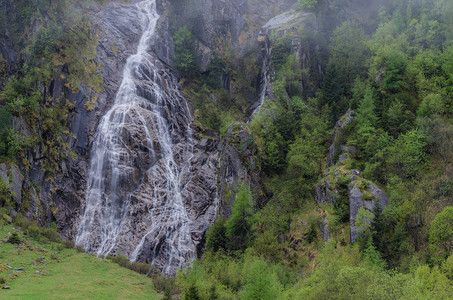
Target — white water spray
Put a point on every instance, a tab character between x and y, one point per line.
146	102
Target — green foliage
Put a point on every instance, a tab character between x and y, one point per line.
373	257
349	50
14	238
281	51
216	236
441	232
39	233
395	64
307	4
261	284
447	267
184	50
192	293
139	267
431	104
46	40
312	233
6	196
167	294
407	154
332	92
239	224
341	205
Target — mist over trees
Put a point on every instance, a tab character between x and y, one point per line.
391	63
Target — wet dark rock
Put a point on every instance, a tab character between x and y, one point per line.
342	123
238	164
324	228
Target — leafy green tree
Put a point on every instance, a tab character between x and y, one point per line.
407	155
167	293
184	50
262	284
441	232
447	267
305	154
431	104
373	257
395	69
239	224
349	50
365	116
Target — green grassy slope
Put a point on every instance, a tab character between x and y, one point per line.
54	272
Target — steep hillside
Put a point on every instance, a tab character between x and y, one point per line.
37	269
247	149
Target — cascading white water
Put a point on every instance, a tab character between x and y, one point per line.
146	115
265	74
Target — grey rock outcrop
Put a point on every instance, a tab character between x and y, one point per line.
360	192
356	201
341	124
214	20
325	192
215	166
238	164
324	228
12	176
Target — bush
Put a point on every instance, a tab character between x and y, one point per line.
139	267
41	234
14	238
262	283
192	293
69	244
184	50
441	232
6	197
407	155
312	233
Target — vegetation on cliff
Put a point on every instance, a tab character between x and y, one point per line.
388	63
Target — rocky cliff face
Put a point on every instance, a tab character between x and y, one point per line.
206	171
360	192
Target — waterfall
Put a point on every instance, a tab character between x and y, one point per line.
266	69
140	163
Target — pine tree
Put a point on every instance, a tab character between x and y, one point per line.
192	293
378	228
184	50
238	226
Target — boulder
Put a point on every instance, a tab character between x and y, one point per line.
356	200
324	192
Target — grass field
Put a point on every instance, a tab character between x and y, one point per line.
52	271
